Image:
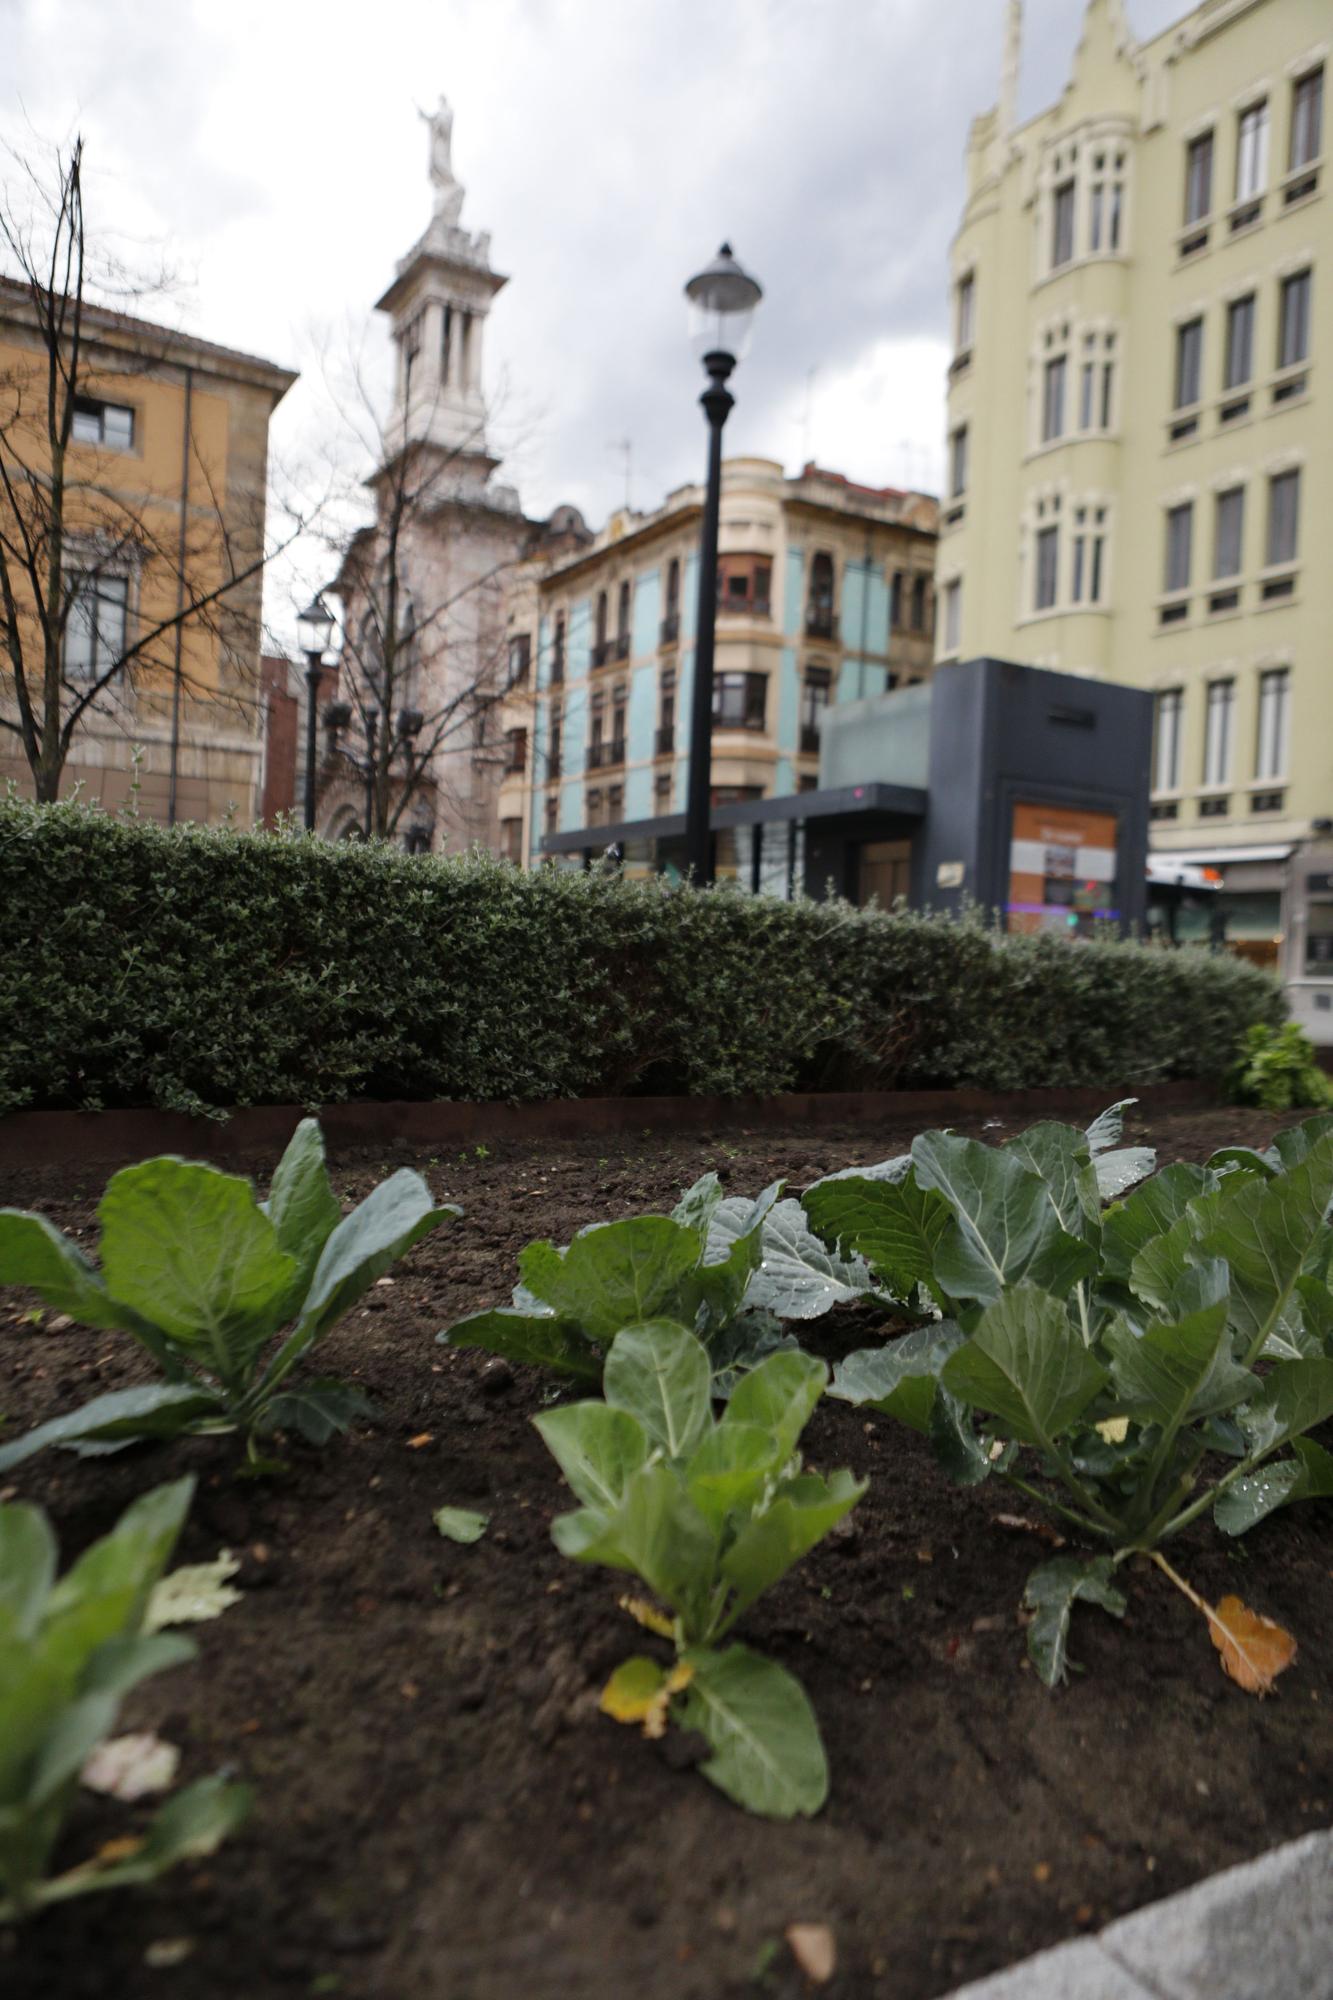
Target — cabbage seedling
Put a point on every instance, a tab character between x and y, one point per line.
1110	1355
69	1651
205	1277
707	1514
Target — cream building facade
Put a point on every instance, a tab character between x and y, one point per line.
825	594
1140	432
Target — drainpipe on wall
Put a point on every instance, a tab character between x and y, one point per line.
180	601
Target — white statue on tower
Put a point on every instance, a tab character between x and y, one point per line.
448	192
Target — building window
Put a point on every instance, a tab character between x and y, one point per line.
965	304
1238	365
820	622
1270	759
619	703
1252	151
671	622
109	424
1189	363
953	614
1166	740
958	462
553	744
1053	399
596	728
896	599
599	630
1198	178
666	712
558	649
96	626
1217	733
1179	546
1048	567
410	349
615	804
815	693
1087	392
662	794
622	623
1307	119
520	658
516	751
1229	532
1089	554
745	584
1062	225
1284	503
511	840
918	603
739	701
594	813
552	812
1293	338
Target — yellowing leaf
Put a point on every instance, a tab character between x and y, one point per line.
1254	1649
655	1721
648	1616
1113	1430
814	1950
632	1689
194	1593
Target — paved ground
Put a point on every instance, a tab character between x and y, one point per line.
1263	1931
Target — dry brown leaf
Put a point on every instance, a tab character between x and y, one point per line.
814	1950
1254	1649
1026	1524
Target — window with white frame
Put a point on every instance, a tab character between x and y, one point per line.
958	462
1229	532
965	305
1108	380
1307	119
1048	568
1087	383
1179	546
1217	732
1198	178
1252	151
1189	363
1053	398
97	625
1238	361
1284	506
1088	564
1062	224
953	614
1293	331
1106	201
1270	756
98	422
1166	740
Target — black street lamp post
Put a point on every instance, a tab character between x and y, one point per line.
315	628
722	303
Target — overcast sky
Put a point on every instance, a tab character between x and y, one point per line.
271	150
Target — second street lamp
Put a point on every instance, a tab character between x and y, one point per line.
314	635
722	300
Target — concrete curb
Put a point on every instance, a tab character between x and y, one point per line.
1260	1931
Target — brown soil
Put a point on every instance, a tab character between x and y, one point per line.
442	1814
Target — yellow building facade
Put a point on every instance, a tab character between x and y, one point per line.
1140	433
164	511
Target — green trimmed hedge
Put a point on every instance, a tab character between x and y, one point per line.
199	968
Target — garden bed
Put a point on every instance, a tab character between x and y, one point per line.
440	1809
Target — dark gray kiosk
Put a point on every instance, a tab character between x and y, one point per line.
1015	788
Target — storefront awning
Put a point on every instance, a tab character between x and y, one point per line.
1217	856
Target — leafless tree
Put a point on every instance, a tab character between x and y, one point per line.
72	529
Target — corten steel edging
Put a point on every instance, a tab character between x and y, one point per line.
65	1138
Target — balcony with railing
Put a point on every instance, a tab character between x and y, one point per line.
664	742
671	628
821	622
603	756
